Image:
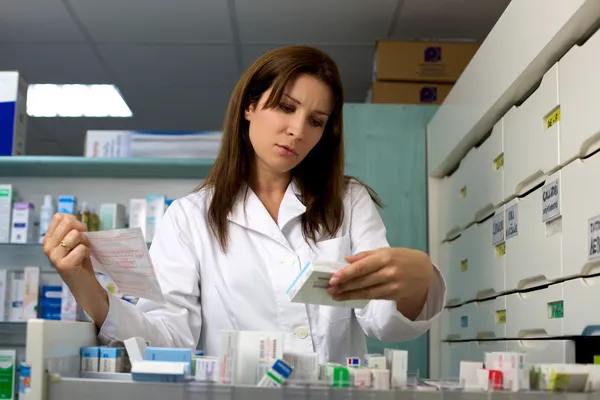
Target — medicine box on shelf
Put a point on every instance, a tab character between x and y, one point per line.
531	134
537	313
533	237
581	219
545	351
484	176
581	306
579	87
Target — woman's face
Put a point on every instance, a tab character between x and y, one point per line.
283	136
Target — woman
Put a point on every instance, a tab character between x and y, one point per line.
275	199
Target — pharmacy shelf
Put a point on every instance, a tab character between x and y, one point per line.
101	389
86	167
17	256
13	334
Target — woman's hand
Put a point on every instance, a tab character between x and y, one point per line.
67	247
398	274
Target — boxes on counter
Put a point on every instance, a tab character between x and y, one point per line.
409	92
415	61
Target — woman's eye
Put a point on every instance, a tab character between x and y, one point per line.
316	123
286	108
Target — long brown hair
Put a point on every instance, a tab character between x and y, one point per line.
319	177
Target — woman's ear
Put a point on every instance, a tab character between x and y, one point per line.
248	111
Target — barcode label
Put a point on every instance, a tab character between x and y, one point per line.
268	350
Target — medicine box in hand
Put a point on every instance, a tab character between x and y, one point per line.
310	286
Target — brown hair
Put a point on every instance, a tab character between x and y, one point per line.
322	184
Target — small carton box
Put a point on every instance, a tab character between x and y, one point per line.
417	61
310	286
409	93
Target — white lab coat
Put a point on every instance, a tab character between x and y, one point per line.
207	291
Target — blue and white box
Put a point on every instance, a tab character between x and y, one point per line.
170	355
90	359
13	113
112	359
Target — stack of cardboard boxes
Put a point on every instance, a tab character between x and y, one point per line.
417	72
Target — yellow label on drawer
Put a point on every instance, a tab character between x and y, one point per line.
552	118
499	162
501	249
463	192
464	265
500	317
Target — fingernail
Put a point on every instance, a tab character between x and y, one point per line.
334	280
332	290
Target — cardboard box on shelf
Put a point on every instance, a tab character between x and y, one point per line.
441	62
408	93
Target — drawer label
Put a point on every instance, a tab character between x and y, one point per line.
463	192
551	119
512	228
464	265
464	321
594	238
498	229
499	161
550	201
501	249
501	317
556	310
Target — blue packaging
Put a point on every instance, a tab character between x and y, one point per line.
67	204
170	354
50	302
13	113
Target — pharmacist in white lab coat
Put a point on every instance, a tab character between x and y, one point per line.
275	199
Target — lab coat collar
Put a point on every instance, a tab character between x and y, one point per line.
249	212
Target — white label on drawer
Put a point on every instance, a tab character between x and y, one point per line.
594	238
498	229
550	200
512	228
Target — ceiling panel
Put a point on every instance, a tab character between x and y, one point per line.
171	65
155	21
448	19
314	21
53	63
354	62
40	21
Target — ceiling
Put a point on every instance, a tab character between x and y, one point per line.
176	61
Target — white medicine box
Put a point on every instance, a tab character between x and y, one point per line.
533	232
13	113
579	86
23	219
531	136
581	217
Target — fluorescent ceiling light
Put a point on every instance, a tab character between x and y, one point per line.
45	100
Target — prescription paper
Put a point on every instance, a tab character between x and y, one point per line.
123	255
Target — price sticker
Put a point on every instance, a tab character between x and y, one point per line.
552	119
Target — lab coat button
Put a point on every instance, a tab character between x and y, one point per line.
302	332
289	260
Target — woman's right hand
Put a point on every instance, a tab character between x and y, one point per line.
67	247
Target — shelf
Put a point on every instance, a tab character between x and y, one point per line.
13	334
86	167
16	256
99	389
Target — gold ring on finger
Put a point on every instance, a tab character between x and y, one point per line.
65	246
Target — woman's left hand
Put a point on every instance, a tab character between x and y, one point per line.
398	274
